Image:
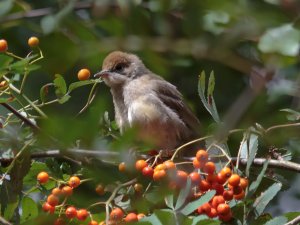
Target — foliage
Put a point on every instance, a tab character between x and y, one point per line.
52	122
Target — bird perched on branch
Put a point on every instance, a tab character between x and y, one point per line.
147	102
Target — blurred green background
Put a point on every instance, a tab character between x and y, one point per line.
176	39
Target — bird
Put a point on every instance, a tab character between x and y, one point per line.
147	102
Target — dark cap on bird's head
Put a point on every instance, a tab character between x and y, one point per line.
118	67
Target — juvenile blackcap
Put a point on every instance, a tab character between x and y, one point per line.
147	102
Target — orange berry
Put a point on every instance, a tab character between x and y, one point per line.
82	214
74	182
218	187
181	178
140	216
33	42
170	165
140	164
216	200
116	214
204	185
239	196
71	212
211	178
131	217
160	167
195	178
159	175
93	222
3	45
234	180
213	213
122	167
42	177
148	171
67	190
209	167
223	209
83	74
244	183
138	187
197	164
52	200
100	189
56	191
48	208
226	172
202	155
206	207
221	179
228	195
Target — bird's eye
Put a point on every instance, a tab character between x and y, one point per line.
119	67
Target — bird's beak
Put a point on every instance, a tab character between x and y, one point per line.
102	74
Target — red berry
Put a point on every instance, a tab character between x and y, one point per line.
202	155
56	191
195	178
223	209
82	214
71	212
204	185
83	74
226	172
122	167
216	200
48	208
67	190
148	171
159	175
93	222
100	190
228	195
74	182
3	45
33	42
52	200
116	214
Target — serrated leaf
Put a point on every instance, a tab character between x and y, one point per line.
10	209
183	194
254	185
192	206
252	145
277	221
60	86
169	200
80	84
29	209
263	200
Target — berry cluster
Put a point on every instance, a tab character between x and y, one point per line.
228	185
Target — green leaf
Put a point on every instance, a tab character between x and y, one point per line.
152	219
10	210
4	100
5	6
60	86
169	200
192	206
183	194
29	209
80	84
64	99
277	221
293	115
254	185
211	84
166	217
204	220
252	144
263	200
5	60
36	167
284	40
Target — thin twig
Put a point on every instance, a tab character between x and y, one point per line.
294	221
4	221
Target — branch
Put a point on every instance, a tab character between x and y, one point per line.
281	164
4	221
21	117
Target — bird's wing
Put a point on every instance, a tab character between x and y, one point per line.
172	98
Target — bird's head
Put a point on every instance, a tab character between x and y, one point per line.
120	67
